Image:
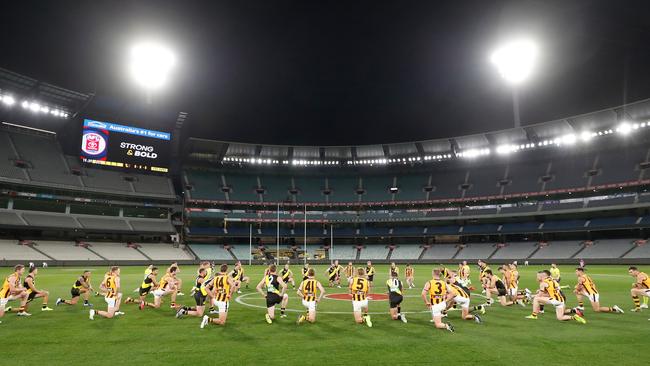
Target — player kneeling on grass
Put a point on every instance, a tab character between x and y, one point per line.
33	292
640	288
167	286
274	294
587	287
434	295
12	290
113	297
287	276
311	291
220	289
395	297
200	296
81	287
359	290
459	295
497	287
549	293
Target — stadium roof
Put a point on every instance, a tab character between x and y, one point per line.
603	120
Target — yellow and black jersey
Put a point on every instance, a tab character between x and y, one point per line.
79	282
643	280
588	285
309	289
208	272
512	279
483	273
553	290
446	273
437	291
26	285
408	272
359	288
272	284
394	286
5	290
164	282
304	272
110	285
147	272
331	272
370	271
147	283
199	280
286	274
394	271
464	271
237	274
458	290
221	288
349	271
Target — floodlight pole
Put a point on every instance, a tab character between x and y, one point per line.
250	244
515	106
331	242
305	237
277	240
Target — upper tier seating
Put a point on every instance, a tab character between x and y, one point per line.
528	172
241	251
344	252
46	165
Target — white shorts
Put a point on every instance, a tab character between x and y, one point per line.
436	309
222	306
358	305
311	305
463	302
4	301
592	297
555	303
110	301
159	293
513	291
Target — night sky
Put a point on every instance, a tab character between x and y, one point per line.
339	72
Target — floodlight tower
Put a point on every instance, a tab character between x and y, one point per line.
150	65
515	61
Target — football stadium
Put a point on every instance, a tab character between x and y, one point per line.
318	206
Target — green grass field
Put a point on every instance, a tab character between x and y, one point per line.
66	336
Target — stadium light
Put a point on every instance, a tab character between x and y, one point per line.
624	128
515	60
8	100
151	64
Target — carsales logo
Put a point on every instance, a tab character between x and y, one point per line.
93	143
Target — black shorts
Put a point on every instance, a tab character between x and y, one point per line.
272	299
199	298
32	296
75	292
395	300
144	291
502	291
371	277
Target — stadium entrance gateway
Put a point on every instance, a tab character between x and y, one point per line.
347	297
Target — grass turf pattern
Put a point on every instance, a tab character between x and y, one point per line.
66	336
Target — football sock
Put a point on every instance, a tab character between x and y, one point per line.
282	311
637	302
581	303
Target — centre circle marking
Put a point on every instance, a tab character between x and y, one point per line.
240	300
348	297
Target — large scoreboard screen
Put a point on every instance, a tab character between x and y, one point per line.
110	144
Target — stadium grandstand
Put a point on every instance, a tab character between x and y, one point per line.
560	190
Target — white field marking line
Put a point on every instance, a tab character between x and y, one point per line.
240	300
